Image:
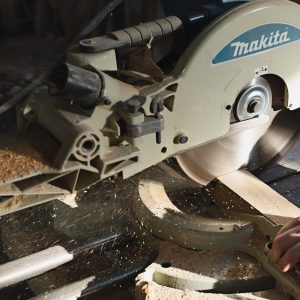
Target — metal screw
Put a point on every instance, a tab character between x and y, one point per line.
156	107
255	106
87	42
181	139
107	102
133	105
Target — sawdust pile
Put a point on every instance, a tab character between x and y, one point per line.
19	159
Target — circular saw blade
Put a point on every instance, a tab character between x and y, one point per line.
250	144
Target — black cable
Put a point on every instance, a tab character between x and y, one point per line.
97	20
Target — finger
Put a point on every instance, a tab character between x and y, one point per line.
290	258
293	223
283	242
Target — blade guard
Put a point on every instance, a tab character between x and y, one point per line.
259	37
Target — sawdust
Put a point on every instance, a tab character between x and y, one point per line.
15	202
14	165
19	158
244	271
220	265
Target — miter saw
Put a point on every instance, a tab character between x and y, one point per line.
123	102
223	96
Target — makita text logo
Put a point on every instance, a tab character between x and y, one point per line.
265	42
257	40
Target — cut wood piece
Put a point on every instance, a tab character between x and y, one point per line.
153	291
242	191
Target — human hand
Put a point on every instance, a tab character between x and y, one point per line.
286	246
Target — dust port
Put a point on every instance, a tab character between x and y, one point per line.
58	79
82	86
166	264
